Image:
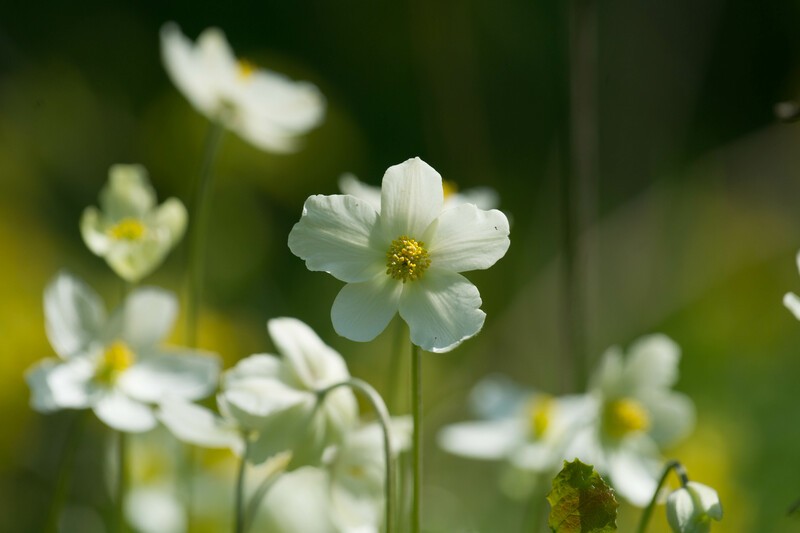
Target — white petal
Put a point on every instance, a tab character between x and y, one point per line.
299	501
442	309
93	230
315	364
251	402
708	498
482	197
653	362
147	316
124	414
680	510
37	378
672	416
155	509
252	367
496	396
351	185
362	310
185	69
338	234
467	238
294	428
411	198
634	469
493	439
74	315
128	192
792	303
197	425
172	217
133	260
608	378
71	384
188	376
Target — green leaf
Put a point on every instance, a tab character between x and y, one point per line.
581	502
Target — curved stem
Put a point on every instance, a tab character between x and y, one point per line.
681	472
65	471
261	492
199	232
380	409
416	411
238	521
122	481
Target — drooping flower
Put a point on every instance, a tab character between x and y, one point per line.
790	299
482	197
265	108
129	231
274	402
692	508
405	258
631	413
114	364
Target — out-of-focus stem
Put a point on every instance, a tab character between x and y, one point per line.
122	481
648	511
238	511
416	411
65	471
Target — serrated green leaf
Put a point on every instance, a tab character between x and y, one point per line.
581	502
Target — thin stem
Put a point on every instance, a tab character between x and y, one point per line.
380	409
416	412
261	491
681	472
392	380
65	471
122	481
199	232
238	522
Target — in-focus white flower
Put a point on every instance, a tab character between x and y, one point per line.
265	108
114	364
790	299
632	413
691	509
129	231
274	401
405	258
482	197
527	428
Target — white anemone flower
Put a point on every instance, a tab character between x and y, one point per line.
265	108
632	413
407	257
114	365
274	402
790	299
691	509
482	197
130	231
527	428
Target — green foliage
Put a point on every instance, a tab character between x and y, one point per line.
581	502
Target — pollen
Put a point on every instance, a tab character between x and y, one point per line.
127	229
540	413
624	416
407	259
245	68
116	359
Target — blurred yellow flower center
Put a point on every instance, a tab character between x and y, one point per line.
245	68
116	359
540	412
407	259
624	416
356	471
449	188
127	229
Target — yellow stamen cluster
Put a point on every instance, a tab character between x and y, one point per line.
540	412
624	416
116	359
127	229
449	188
246	68
407	259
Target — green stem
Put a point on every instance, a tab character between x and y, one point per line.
122	481
261	492
199	232
681	472
416	411
393	374
380	409
65	471
238	521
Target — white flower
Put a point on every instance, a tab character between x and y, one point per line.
265	108
274	401
130	232
691	509
632	413
405	258
482	197
114	365
525	427
790	299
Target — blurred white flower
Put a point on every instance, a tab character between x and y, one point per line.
631	413
114	365
406	258
265	108
274	401
129	231
691	509
790	299
483	197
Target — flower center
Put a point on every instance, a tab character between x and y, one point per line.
407	259
449	188
245	69
624	416
116	359
540	412
127	229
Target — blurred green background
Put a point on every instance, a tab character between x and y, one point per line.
695	226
